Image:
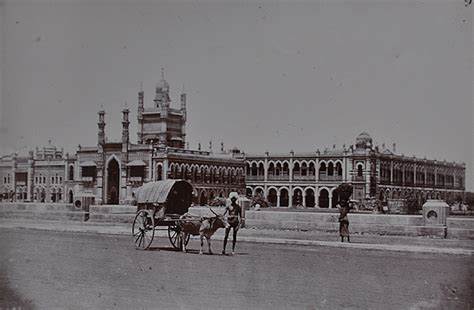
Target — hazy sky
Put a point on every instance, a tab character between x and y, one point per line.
266	75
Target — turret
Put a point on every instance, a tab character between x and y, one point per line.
183	105
125	132
101	133
183	123
140	114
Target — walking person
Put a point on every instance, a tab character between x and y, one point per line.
234	219
344	221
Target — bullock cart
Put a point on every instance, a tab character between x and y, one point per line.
161	204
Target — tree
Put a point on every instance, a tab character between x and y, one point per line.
470	200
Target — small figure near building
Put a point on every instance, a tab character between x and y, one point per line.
344	191
234	218
344	222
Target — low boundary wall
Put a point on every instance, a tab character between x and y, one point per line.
381	224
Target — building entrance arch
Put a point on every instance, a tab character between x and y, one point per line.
283	197
272	197
309	199
323	198
71	197
297	197
113	182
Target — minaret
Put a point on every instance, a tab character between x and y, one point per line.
183	117
100	159
165	88
124	157
125	132
183	105
163	103
101	133
140	114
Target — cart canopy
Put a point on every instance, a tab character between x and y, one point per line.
176	195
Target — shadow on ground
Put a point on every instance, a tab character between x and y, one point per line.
10	299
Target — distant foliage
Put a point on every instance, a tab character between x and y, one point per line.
470	200
344	191
412	205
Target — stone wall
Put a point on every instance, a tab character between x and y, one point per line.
381	224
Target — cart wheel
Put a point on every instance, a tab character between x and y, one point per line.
143	229
175	236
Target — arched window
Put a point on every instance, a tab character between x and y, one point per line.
322	170
254	169
311	169
278	169
359	170
286	169
271	169
296	169
71	173
261	169
331	169
339	169
304	170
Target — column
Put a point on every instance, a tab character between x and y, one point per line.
368	166
265	171
151	166
316	170
304	198
165	169
391	172
403	175
65	194
414	175
278	199
13	179
30	178
425	171
99	195
344	161
290	196
48	183
330	199
316	196
290	170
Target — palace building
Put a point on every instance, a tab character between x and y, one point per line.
41	176
111	171
310	179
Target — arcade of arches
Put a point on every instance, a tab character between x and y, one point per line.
327	197
297	196
209	181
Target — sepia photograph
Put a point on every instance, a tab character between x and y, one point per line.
236	154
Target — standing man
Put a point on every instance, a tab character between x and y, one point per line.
344	192
344	221
234	218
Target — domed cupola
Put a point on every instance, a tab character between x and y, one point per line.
363	141
162	85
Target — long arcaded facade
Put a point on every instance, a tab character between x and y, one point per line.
310	179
